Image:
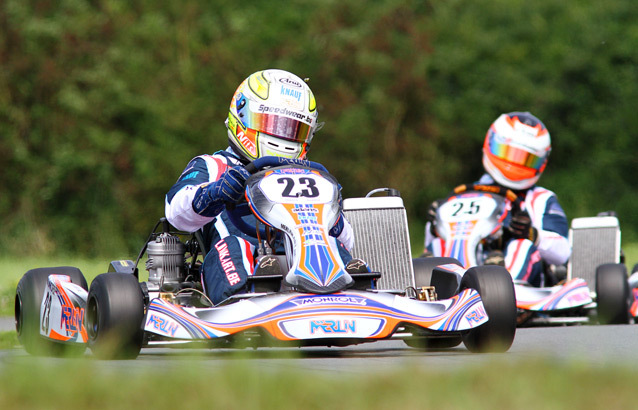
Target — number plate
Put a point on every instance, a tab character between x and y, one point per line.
470	208
296	187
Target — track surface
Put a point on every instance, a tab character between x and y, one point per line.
595	345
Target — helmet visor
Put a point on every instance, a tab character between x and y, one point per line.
518	156
279	122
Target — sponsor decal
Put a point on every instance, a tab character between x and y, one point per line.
290	93
191	175
267	262
330	300
284	111
333	326
290	170
290	82
163	325
476	316
72	319
579	297
227	263
305	209
285	229
247	142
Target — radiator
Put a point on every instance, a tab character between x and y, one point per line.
594	241
381	238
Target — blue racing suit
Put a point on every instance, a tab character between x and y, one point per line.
231	253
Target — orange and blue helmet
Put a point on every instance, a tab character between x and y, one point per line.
516	149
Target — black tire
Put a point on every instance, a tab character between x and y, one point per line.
115	316
494	284
612	294
446	285
433	343
28	301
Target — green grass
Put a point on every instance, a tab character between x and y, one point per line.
28	382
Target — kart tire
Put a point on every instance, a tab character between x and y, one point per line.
494	284
28	301
433	343
445	285
612	294
115	316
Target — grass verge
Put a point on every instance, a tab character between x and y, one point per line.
34	383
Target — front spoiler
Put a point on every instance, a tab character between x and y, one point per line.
352	315
571	295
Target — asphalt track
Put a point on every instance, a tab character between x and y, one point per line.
591	345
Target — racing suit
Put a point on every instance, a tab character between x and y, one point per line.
524	257
230	253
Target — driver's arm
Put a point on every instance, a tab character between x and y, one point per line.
343	232
200	172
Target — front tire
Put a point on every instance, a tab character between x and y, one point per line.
612	294
115	315
494	284
28	301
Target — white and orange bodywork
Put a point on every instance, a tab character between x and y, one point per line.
63	310
302	316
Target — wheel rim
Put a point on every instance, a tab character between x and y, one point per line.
18	315
92	319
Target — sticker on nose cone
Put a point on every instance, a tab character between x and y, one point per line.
331	327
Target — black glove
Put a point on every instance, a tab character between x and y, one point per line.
431	216
521	226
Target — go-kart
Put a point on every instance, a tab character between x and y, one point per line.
303	298
469	228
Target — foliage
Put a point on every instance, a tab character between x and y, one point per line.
103	102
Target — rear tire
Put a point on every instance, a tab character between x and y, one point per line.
494	284
114	316
28	301
612	294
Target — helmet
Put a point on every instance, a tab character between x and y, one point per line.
516	150
273	112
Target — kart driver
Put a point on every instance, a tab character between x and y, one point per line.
515	153
272	113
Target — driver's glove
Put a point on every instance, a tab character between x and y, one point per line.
431	216
210	199
521	226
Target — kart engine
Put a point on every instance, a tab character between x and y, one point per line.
165	263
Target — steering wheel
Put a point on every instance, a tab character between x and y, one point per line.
494	189
236	211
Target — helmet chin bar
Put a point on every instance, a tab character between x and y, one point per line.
500	179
